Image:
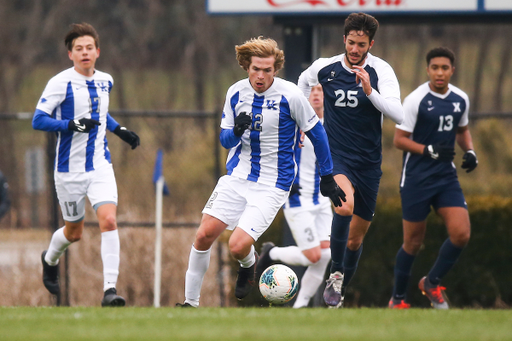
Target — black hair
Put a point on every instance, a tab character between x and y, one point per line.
441	52
361	22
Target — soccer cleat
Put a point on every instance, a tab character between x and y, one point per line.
50	276
264	261
246	279
112	299
332	293
398	304
435	293
184	305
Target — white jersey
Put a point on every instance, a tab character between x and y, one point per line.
265	153
308	178
70	96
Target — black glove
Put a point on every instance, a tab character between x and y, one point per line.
295	189
242	122
83	125
469	161
127	136
439	152
329	188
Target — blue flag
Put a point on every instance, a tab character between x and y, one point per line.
158	172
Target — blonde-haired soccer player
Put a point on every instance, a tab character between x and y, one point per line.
261	117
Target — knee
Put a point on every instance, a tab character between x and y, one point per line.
412	247
355	243
313	257
204	240
74	236
460	239
238	249
109	223
345	210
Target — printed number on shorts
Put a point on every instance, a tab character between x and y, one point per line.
309	231
209	204
71	205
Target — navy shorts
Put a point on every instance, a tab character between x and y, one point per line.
416	202
366	184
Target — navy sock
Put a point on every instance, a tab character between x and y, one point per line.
350	264
448	255
339	236
403	266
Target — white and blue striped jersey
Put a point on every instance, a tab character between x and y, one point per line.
265	153
69	96
432	118
352	121
308	178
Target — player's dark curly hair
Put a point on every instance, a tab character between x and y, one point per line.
361	22
441	52
80	30
259	47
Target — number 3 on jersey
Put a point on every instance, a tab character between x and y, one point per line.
349	99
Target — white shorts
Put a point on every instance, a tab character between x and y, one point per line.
249	205
99	185
309	226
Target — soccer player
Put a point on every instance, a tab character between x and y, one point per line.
309	216
436	116
74	104
260	122
358	89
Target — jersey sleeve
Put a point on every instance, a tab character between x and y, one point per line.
309	78
410	114
302	112
464	120
388	82
228	112
53	95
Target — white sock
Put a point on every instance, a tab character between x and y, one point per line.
58	245
249	260
198	263
110	249
312	279
290	255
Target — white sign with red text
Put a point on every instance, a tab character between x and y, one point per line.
332	6
308	6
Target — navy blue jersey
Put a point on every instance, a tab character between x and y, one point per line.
352	122
432	118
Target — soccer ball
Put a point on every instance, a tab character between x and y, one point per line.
278	284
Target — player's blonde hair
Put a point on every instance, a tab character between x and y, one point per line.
259	47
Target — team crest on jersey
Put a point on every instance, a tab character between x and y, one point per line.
456	106
333	74
271	104
103	87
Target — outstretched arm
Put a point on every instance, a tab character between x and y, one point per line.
328	186
318	137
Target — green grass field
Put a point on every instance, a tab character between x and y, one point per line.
24	323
